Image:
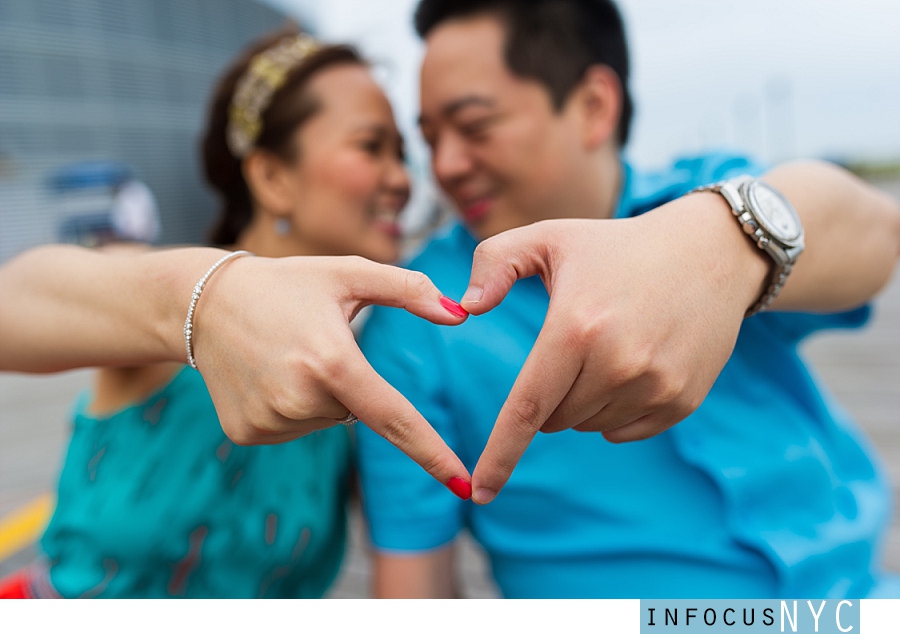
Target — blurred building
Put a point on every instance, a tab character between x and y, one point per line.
111	80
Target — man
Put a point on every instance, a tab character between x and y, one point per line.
763	490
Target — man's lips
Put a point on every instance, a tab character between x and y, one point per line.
477	210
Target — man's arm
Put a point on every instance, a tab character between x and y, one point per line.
271	336
430	575
644	312
852	237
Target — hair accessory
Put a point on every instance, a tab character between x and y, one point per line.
253	92
198	289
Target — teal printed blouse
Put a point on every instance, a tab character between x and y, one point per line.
155	501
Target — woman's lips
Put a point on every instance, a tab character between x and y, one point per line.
389	227
477	210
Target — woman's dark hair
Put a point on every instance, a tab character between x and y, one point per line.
291	106
551	41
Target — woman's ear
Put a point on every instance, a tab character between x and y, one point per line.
598	99
268	179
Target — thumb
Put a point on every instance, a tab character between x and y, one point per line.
501	260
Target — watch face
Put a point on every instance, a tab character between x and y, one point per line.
774	213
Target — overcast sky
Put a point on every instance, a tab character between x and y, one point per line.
776	78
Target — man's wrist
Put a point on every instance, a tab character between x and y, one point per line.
747	265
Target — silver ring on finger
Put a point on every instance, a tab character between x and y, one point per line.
349	419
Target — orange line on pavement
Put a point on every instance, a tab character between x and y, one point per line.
25	525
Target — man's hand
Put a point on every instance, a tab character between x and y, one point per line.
643	315
644	312
273	342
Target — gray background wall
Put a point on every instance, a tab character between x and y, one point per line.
124	80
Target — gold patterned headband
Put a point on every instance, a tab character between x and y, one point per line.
253	92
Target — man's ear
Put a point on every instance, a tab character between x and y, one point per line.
598	99
268	179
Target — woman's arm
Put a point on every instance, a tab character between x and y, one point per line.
65	307
271	335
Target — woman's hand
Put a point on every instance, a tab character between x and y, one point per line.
273	342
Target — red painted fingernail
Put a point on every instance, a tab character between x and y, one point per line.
460	487
453	307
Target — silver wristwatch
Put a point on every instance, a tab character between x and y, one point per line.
770	221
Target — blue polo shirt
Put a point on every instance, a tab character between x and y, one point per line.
766	490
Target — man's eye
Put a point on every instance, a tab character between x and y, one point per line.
475	128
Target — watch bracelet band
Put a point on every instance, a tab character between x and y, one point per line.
778	279
780	273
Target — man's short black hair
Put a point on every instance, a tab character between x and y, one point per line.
551	41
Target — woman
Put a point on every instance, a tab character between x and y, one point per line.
154	500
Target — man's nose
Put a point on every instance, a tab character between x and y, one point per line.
450	159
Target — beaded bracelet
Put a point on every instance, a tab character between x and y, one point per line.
198	289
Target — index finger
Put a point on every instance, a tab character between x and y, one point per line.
382	408
545	379
386	285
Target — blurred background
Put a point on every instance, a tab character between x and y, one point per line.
97	95
126	81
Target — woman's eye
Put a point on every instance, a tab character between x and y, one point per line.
373	146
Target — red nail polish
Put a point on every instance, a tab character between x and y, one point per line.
453	307
460	487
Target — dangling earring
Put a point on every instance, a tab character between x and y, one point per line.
282	225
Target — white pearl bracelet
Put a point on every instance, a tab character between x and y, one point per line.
198	289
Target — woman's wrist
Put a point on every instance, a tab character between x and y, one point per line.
171	277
